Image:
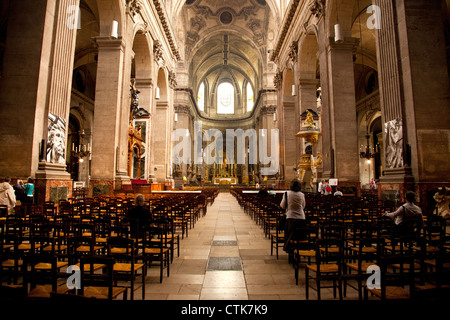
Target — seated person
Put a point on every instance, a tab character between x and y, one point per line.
139	216
406	216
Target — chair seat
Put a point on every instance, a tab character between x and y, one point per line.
365	249
332	250
126	267
307	253
324	268
102	292
392	293
50	248
355	266
88	248
101	240
96	266
406	266
48	266
155	250
279	236
44	291
27	246
11	263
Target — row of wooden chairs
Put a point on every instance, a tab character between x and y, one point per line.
358	238
83	240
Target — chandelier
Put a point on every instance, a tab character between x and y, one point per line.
81	151
364	152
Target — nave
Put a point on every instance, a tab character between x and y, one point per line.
226	257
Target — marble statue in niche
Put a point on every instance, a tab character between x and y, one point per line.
393	131
56	139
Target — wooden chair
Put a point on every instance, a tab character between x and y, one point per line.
78	247
40	276
328	266
277	237
11	258
394	285
99	285
304	248
367	253
125	267
156	250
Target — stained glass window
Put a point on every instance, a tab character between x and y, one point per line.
201	97
225	98
250	97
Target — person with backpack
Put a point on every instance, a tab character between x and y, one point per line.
294	202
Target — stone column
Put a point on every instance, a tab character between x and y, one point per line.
183	122
307	94
53	87
23	86
342	113
414	92
105	142
161	136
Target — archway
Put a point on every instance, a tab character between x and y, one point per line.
140	109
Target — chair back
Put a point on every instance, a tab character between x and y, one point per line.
89	276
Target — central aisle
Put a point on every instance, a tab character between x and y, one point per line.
225	256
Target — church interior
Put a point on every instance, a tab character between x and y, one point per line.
210	109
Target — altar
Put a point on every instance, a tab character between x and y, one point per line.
230	180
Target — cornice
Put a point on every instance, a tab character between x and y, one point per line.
284	30
167	30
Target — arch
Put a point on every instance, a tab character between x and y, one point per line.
309	49
162	85
142	56
341	11
110	10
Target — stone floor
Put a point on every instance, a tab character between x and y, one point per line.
227	257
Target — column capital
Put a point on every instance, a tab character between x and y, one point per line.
308	82
110	43
144	82
349	43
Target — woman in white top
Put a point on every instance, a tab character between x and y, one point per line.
295	215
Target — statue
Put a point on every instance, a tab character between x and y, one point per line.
318	161
442	198
309	122
136	111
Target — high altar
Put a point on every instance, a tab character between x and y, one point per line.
224	173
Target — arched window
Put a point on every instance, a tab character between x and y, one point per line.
250	97
201	97
225	98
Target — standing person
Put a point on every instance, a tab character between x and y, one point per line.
327	188
321	188
373	185
7	195
19	190
295	214
29	191
406	214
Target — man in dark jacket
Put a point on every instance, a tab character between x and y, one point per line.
139	217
